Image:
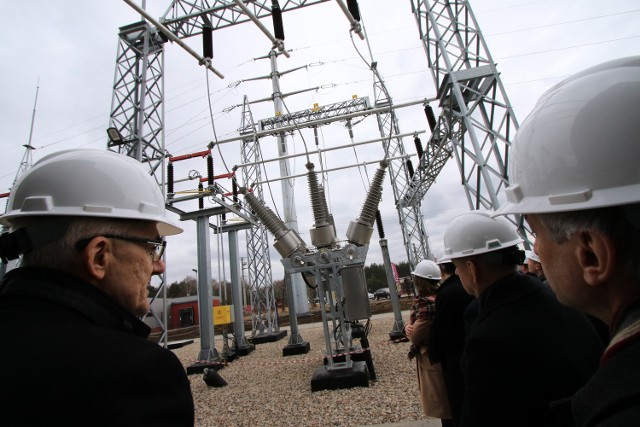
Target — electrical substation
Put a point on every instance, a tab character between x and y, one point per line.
467	120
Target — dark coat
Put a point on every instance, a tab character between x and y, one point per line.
70	356
525	350
446	340
612	397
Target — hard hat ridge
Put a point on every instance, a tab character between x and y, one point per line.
88	183
476	233
578	148
427	269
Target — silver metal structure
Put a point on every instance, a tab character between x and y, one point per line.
475	126
137	108
137	111
300	302
476	122
414	233
187	18
264	312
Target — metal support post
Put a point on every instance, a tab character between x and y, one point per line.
297	344
290	217
242	347
398	324
208	352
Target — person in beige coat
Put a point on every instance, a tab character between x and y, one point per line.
433	395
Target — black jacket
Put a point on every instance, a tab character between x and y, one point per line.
70	356
525	350
612	397
446	340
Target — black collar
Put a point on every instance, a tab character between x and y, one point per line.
68	290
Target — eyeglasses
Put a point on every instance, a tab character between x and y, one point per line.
156	253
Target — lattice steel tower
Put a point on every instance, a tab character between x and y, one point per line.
264	314
476	122
475	125
137	108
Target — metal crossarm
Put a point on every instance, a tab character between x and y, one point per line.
435	156
301	118
186	18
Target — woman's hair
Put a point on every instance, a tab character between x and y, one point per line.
620	223
62	253
425	286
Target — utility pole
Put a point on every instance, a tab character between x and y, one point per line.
288	201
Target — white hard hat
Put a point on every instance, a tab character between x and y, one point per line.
427	269
579	147
88	183
442	258
532	256
477	233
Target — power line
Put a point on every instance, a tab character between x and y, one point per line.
557	24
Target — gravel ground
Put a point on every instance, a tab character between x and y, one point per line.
266	389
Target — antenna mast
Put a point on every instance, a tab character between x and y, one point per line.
25	164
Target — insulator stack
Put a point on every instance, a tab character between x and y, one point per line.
287	240
207	41
368	213
276	14
360	230
323	233
170	178
234	190
318	201
266	215
431	118
379	224
200	199
209	170
352	5
410	168
418	144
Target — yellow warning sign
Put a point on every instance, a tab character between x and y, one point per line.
222	315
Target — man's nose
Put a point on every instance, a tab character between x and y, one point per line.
158	267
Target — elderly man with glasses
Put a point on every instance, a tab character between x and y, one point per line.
89	227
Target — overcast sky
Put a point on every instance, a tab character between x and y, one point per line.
70	46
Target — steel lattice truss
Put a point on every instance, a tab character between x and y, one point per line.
137	108
475	126
436	153
264	310
301	118
186	18
477	121
414	234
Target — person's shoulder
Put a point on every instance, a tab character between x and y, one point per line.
454	289
610	398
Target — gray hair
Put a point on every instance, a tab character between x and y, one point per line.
620	223
62	253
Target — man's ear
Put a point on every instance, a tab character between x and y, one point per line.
96	257
596	254
473	270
